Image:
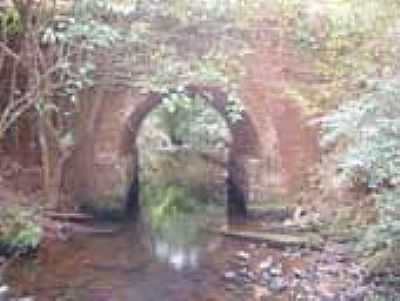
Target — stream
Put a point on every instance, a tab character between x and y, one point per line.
185	263
131	263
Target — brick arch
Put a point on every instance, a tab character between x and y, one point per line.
274	145
244	146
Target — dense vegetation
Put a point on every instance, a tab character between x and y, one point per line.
355	49
50	53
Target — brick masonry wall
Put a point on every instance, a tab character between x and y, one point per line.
271	150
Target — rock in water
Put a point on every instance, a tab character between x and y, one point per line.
265	265
4	292
242	255
276	270
278	284
230	275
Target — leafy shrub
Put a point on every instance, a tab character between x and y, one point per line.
192	121
369	128
386	233
19	231
166	203
10	21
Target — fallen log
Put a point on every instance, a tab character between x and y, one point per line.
274	239
73	228
62	230
72	217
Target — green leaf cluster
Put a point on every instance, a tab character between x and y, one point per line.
153	46
369	129
193	122
19	229
10	22
347	42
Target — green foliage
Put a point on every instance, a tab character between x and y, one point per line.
174	213
81	36
347	41
10	22
377	297
159	35
19	230
192	121
157	46
369	126
167	203
386	233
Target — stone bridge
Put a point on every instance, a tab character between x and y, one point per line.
271	145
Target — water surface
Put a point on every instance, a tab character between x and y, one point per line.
131	263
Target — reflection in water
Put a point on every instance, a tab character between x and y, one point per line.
136	262
177	257
176	218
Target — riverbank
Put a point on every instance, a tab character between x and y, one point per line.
128	262
281	253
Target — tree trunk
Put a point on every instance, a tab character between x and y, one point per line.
52	163
45	158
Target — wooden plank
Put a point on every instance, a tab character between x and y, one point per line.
274	239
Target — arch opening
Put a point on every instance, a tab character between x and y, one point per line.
183	148
184	142
242	147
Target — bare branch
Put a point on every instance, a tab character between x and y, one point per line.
8	51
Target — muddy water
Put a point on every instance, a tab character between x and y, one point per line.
132	263
185	263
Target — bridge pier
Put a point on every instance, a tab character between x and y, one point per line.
132	202
236	203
